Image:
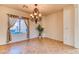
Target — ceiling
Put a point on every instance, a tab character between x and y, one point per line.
45	9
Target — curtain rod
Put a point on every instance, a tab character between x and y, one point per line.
16	16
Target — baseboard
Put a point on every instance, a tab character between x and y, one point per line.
32	39
53	39
21	41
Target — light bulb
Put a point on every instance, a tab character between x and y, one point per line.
35	13
40	15
31	15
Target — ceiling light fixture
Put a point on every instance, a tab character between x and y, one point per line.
36	15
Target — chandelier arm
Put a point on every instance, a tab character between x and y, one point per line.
36	15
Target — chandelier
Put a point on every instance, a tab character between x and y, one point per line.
36	15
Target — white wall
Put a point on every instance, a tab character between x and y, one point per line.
60	25
33	31
76	41
53	25
68	23
4	21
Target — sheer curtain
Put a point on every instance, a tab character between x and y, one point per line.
27	25
11	22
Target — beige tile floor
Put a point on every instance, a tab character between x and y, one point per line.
38	46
